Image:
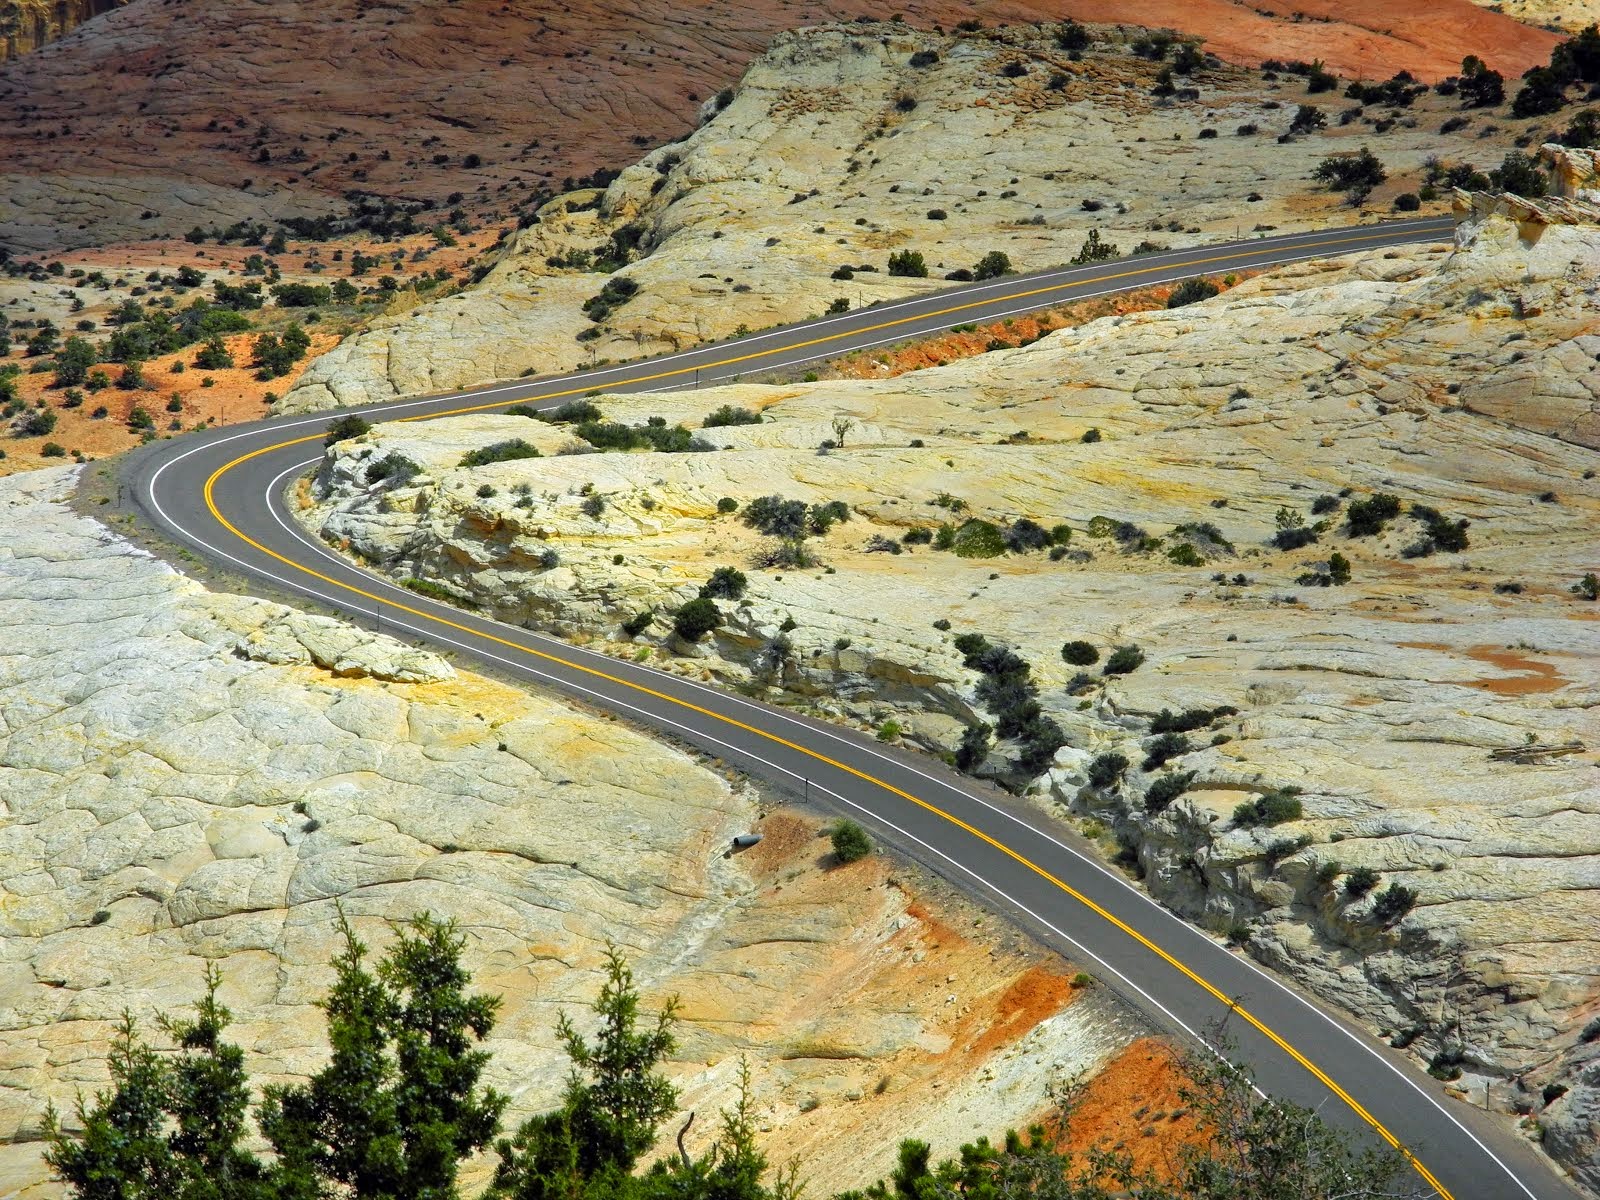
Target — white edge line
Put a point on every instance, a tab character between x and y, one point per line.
581	377
273	495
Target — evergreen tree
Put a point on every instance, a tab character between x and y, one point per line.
399	1105
208	1099
613	1101
73	362
122	1152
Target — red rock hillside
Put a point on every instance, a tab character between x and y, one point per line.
168	113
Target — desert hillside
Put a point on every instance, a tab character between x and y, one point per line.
845	145
420	99
190	778
1339	518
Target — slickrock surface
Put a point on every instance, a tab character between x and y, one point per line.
166	801
186	96
835	150
1569	15
1464	378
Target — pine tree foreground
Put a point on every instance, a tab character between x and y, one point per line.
400	1106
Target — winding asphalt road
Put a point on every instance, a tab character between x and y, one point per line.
221	492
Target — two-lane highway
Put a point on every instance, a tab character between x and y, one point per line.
222	493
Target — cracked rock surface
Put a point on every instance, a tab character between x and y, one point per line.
1466	380
168	801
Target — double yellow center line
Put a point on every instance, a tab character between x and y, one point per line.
1016	856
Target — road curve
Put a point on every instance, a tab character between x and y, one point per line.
221	493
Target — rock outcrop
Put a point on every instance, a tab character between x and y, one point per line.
845	145
167	802
1574	173
1435	711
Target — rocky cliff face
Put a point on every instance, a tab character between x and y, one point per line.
189	778
1463	382
844	145
26	25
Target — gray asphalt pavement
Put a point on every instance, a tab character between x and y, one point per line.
220	492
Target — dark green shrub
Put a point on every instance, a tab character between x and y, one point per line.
1293	537
727	414
1360	881
1163	791
1394	902
727	505
974	748
610	435
726	583
639	622
301	295
977	538
1192	291
73	361
435	591
274	355
1158	751
1584	131
1080	654
507	451
776	517
1090	436
616	292
992	265
1356	173
1124	659
696	619
1478	86
1308	118
908	264
1026	535
1519	175
1407	202
1190	719
573	412
850	842
391	466
1106	770
1094	249
1368	517
1271	808
38	423
1543	92
1441	533
213	355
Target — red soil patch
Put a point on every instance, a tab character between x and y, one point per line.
1033	996
1533	676
1014	331
786	839
1363	39
1134	1105
235	395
